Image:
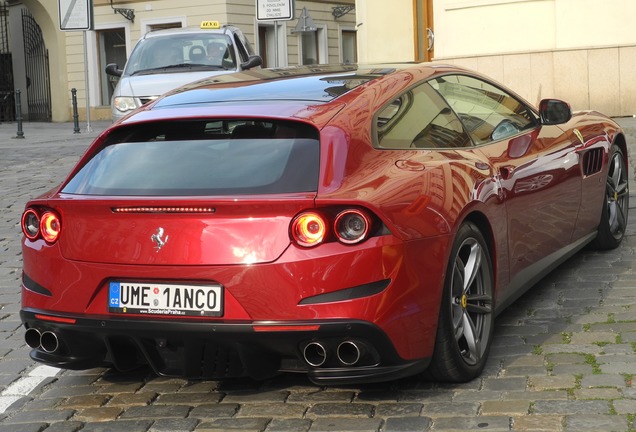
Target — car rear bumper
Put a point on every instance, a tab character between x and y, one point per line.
328	351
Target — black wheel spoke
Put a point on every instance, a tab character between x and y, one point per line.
479	308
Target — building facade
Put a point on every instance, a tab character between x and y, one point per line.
77	59
582	51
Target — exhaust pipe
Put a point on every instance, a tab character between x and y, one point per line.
32	337
349	353
49	342
315	354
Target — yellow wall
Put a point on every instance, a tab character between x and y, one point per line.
478	27
385	30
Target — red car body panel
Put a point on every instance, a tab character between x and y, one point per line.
420	196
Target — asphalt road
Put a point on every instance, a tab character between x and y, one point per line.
563	358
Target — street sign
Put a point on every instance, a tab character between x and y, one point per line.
274	10
75	15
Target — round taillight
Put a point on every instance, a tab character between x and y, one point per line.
50	226
309	229
352	226
30	224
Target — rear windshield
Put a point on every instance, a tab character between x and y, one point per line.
224	157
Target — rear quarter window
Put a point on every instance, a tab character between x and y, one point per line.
419	119
212	157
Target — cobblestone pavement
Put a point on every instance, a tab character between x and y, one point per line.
563	359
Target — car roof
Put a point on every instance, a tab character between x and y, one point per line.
184	30
312	84
301	91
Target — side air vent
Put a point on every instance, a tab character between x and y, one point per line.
592	161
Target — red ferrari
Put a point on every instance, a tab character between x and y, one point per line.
352	223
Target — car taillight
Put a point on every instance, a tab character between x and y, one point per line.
309	229
30	224
348	226
46	225
352	226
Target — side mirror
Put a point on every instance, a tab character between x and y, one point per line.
113	69
554	112
252	61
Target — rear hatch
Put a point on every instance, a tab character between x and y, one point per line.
170	232
208	192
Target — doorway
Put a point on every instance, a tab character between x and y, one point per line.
424	30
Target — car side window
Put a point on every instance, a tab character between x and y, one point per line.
419	118
487	112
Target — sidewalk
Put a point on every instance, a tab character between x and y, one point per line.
42	133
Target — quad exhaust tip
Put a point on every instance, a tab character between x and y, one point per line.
32	338
48	341
315	354
348	353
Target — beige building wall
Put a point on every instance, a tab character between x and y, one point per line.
582	51
385	31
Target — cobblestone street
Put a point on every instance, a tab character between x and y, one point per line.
563	357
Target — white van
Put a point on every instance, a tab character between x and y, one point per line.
163	60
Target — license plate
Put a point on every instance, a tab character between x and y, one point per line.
165	299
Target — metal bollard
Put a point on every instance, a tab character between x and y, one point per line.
18	113
76	128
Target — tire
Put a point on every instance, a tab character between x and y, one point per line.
611	228
466	320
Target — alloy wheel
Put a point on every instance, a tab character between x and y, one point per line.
471	301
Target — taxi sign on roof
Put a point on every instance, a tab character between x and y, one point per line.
210	25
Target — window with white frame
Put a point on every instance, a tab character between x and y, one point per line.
272	44
313	46
162	23
349	46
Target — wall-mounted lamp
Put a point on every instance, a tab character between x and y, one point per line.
129	14
339	11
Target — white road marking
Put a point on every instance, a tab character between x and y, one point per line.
25	385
